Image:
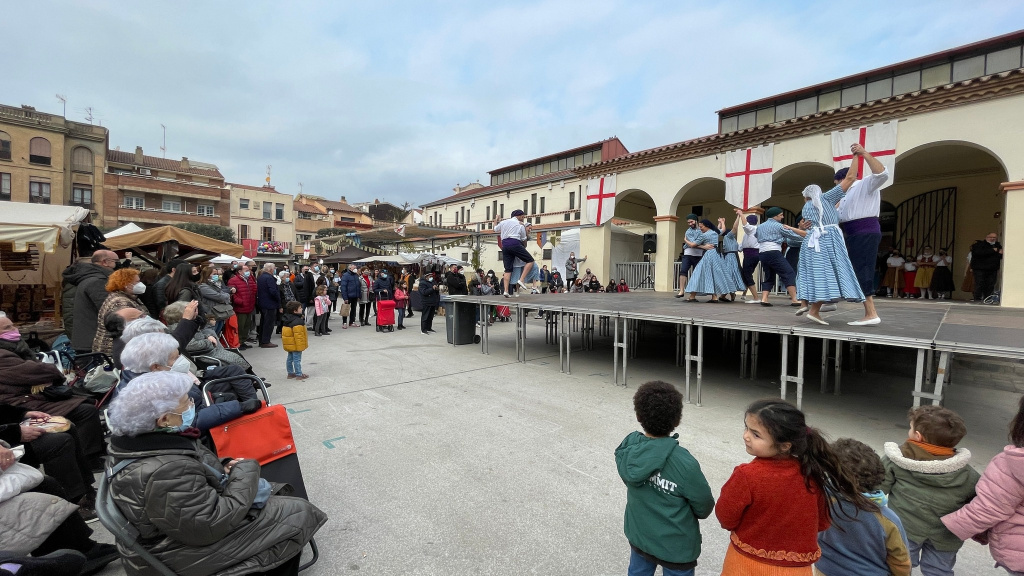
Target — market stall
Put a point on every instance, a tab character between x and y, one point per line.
36	244
157	246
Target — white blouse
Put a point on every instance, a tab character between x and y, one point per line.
942	260
895	262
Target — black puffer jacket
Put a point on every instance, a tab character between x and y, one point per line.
73	276
173	495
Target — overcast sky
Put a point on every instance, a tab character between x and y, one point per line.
403	100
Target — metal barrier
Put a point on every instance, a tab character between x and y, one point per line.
638	275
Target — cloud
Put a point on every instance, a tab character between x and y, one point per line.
402	100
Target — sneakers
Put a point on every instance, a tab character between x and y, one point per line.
522	286
424	332
534	291
505	294
87	508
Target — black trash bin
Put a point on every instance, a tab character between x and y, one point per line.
460	322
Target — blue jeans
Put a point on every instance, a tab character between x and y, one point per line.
932	562
294	363
640	566
401	315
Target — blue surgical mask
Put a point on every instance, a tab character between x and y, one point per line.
215	278
384	275
187	418
245	274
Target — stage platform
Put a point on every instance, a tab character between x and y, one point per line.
935	329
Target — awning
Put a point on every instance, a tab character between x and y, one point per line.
152	245
45	225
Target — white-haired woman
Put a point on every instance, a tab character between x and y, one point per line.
204	341
185	330
158	352
197	514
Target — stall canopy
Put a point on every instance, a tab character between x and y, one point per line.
126	229
346	255
51	229
159	245
386	258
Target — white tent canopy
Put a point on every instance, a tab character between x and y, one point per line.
388	258
432	259
224	259
51	229
129	228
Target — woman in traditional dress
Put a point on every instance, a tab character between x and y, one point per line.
942	279
730	247
709	274
893	274
825	274
925	270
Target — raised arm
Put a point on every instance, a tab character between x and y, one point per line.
851	175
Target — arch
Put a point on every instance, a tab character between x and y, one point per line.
5	145
701	182
792	179
81	159
635	204
909	154
39	151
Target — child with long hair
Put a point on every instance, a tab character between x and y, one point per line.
775	505
996	516
322	306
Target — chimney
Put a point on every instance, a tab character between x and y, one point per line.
343	200
138	154
184	163
458	188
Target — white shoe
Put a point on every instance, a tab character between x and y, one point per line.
753	301
829	307
869	322
802	311
505	294
522	286
816	319
516	294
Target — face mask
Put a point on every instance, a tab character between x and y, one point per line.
215	278
384	275
235	266
316	268
490	275
181	365
139	288
245	274
187	418
11	336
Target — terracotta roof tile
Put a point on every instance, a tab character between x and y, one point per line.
124	157
299	206
255	188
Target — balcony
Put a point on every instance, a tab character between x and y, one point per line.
143	209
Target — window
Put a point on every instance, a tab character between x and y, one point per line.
765	116
746	120
135	202
39	151
494	209
502	212
39	192
935	76
905	83
588	157
465	256
533	203
807	106
500	257
541	204
853	95
243	232
5	146
526	206
829	101
5	186
81	195
305	216
995	62
205	210
267	234
81	159
279	211
547	255
468	217
171	205
487	213
785	111
566	217
243	203
303	237
968	68
572	200
346	219
267	208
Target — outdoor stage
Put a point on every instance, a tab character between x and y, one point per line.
936	330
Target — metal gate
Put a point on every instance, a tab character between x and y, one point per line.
928	219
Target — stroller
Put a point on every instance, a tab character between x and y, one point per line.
385	312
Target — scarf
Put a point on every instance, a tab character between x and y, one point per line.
933	449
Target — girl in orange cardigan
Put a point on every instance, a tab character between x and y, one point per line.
775	505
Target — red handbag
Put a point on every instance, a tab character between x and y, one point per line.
264	435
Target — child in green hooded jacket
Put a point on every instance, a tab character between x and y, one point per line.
666	492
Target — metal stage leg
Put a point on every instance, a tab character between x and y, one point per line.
744	352
520	334
929	361
633	328
680	340
799	378
919	378
754	348
621	343
839	366
587	331
565	344
698	358
824	364
484	333
686	359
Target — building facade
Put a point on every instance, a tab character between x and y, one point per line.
47	159
263	220
153	191
309	218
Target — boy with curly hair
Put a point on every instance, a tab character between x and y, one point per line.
860	543
666	491
926	478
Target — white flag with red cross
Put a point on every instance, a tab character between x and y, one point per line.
400	230
748	176
600	199
878	139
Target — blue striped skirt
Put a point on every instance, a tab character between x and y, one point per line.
825	273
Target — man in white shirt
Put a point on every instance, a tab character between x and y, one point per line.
858	218
751	257
512	235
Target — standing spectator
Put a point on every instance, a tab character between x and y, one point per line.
181	287
322	309
294	338
365	282
545	279
215	296
161	282
332	288
572	267
123	290
306	294
893	279
942	279
384	286
243	298
149	277
90	280
401	302
985	257
455	282
269	301
430	298
350	292
286	290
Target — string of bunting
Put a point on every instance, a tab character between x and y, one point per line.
331	247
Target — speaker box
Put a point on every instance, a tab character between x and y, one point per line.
650	243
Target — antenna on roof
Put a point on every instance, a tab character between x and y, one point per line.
268	174
164	147
88	114
300	188
63	100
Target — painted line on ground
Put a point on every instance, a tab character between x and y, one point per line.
329	444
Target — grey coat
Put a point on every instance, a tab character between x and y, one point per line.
91	292
173	495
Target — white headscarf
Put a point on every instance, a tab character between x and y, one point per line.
814	193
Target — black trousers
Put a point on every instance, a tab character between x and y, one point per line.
427	318
984	283
86	419
65	461
72	533
353	305
268	321
320	323
364	312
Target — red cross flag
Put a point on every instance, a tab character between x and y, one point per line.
879	140
400	230
748	176
600	199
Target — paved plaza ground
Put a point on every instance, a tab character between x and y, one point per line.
434	459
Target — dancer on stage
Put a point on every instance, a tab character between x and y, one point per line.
708	273
729	247
826	274
691	252
750	259
858	217
770	235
